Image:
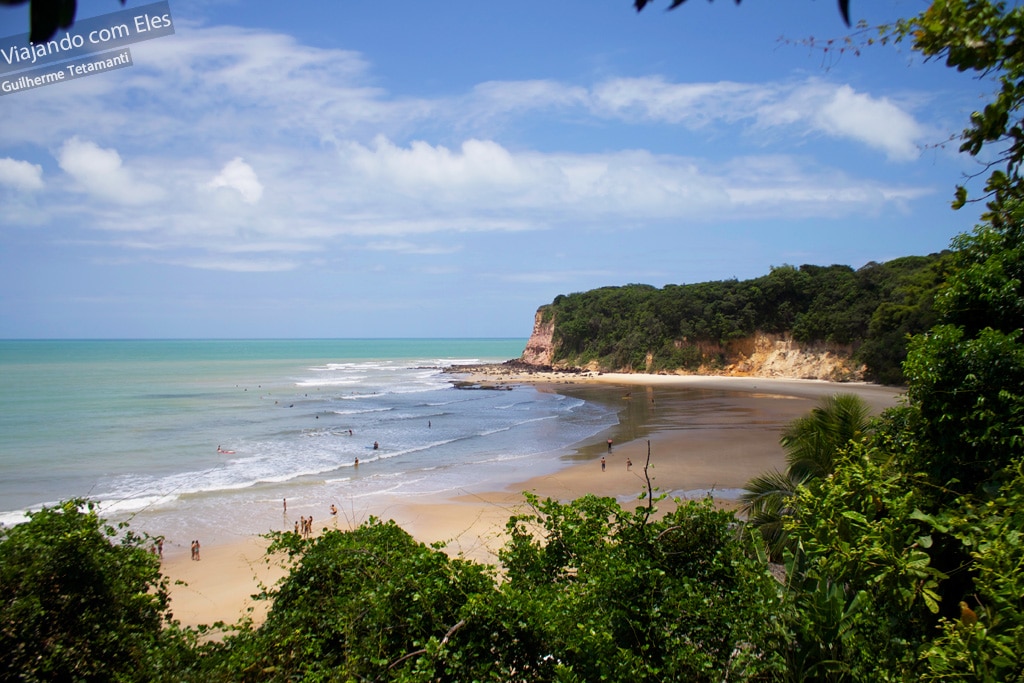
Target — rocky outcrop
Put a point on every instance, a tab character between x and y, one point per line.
540	348
777	355
760	355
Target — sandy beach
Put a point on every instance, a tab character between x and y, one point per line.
703	438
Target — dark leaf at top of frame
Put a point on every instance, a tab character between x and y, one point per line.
844	7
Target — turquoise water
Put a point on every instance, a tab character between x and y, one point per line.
221	430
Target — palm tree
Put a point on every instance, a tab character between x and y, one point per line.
811	443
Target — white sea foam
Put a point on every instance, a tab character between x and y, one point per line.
361	411
114	507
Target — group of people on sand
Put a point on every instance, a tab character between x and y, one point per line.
304	527
195	550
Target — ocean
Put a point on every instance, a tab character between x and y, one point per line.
194	437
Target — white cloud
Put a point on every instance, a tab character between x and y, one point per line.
21	175
344	164
100	172
876	122
236	265
690	104
838	111
431	187
421	165
495	97
384	196
833	109
239	176
407	247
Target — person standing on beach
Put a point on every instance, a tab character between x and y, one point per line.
284	501
609	445
602	463
197	550
629	464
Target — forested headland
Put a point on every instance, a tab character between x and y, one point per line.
870	313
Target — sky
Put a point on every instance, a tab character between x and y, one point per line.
334	168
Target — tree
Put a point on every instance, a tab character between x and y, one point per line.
618	595
860	575
589	592
366	604
989	646
75	605
983	37
812	444
967	373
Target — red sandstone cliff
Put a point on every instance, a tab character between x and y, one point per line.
540	347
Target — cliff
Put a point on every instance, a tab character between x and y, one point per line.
759	355
540	347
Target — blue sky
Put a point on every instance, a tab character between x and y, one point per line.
412	169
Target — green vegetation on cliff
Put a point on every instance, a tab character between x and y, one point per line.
873	309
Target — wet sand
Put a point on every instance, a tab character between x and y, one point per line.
706	435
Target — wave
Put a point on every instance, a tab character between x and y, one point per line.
390	489
362	411
331	382
510	427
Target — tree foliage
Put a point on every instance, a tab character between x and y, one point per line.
861	576
366	604
628	598
813	444
589	592
982	37
639	327
77	604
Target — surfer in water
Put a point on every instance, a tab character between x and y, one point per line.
221	450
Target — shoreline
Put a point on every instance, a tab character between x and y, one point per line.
706	433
